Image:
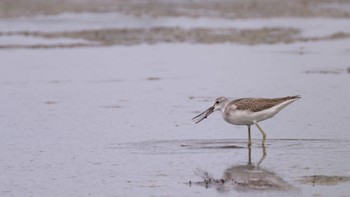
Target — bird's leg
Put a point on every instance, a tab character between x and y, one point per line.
263	156
262	132
249	155
249	138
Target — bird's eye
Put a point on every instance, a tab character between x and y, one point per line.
217	102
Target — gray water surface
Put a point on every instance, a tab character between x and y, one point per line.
116	121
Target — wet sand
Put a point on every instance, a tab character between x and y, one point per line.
160	8
101	103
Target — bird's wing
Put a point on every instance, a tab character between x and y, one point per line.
259	104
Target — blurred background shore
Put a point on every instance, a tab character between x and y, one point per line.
191	8
107	22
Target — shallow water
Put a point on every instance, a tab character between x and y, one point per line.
116	121
279	167
87	21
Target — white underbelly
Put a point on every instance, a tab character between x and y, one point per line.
248	118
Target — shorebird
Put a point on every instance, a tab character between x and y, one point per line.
247	111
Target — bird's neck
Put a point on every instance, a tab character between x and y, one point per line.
225	104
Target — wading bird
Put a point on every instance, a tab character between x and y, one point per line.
247	111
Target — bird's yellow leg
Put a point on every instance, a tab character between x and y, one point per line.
263	156
262	132
249	138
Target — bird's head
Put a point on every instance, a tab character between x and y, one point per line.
219	104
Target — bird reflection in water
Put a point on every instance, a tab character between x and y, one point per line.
247	177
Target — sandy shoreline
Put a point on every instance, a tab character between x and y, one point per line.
161	8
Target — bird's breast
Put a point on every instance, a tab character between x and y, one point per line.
238	117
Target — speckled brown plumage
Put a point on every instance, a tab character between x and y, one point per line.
259	104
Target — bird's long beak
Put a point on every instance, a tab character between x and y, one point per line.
203	115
